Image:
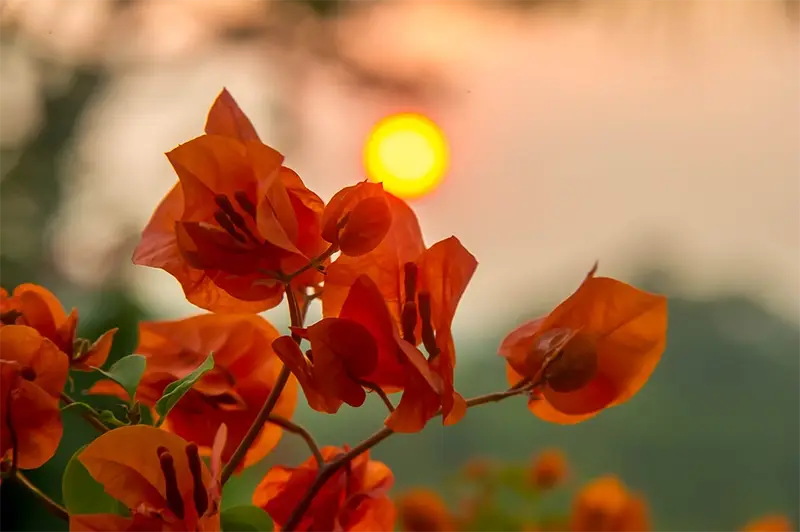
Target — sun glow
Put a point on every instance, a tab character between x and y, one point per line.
408	153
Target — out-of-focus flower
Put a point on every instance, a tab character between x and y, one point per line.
606	505
549	469
769	523
423	510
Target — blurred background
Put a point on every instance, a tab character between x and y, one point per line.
661	138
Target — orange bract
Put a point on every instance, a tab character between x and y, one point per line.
37	307
33	373
605	505
769	523
357	218
420	288
353	499
233	392
158	476
595	350
423	510
236	216
549	469
370	354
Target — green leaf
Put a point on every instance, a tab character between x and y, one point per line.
127	372
83	494
177	389
245	519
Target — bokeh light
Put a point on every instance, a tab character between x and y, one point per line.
407	153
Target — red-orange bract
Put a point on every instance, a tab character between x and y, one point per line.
357	218
233	392
235	217
606	505
37	307
595	350
420	288
158	476
769	523
353	499
423	510
33	372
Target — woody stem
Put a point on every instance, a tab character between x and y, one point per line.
327	471
272	399
89	416
255	428
294	428
52	506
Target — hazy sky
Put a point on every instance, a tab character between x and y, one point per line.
670	133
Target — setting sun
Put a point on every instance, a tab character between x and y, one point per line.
408	153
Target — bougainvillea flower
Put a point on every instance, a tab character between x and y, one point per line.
769	523
363	348
595	350
421	288
235	217
606	505
245	371
158	476
423	510
353	499
33	372
357	218
37	307
549	469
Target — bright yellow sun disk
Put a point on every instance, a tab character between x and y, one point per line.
408	153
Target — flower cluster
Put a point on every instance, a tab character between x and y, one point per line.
241	232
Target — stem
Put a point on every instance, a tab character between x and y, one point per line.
255	428
52	506
89	416
314	263
497	396
377	389
263	415
326	472
294	428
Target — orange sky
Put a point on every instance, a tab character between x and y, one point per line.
573	138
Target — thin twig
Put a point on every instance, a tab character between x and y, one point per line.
380	393
314	263
52	506
89	416
264	414
326	472
294	428
255	428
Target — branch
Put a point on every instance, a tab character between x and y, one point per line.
326	472
272	399
52	506
379	391
294	428
255	428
